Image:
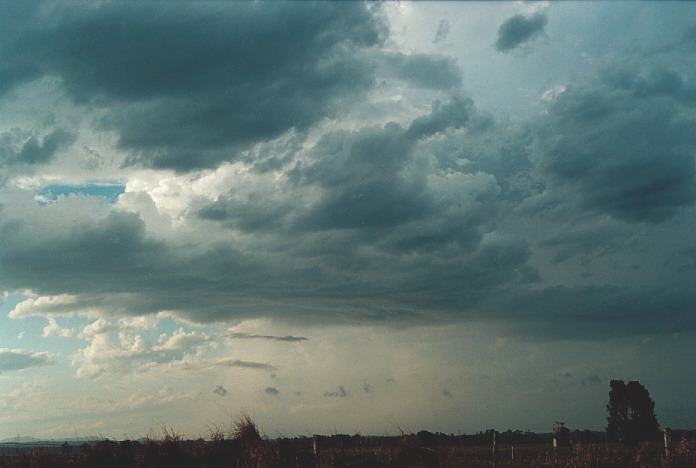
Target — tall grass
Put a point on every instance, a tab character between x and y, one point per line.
244	445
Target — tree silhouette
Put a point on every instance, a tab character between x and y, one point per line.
631	413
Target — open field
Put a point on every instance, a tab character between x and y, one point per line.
251	451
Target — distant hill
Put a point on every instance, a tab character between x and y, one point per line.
19	440
34	440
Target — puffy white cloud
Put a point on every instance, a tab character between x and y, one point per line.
40	306
53	329
117	347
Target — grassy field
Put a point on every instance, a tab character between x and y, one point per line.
245	447
299	454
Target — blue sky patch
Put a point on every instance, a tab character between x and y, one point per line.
110	192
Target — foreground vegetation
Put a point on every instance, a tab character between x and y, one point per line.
245	447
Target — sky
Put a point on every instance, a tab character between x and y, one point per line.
344	217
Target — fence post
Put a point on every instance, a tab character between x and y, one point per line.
512	452
668	441
495	453
315	450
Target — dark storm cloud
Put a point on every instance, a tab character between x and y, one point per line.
655	83
249	214
362	173
686	42
433	251
13	16
629	154
393	224
188	85
587	239
599	312
185	86
24	148
112	264
16	359
371	176
373	180
393	237
452	114
383	218
519	29
89	254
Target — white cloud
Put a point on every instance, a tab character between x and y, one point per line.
114	347
54	329
41	306
553	93
23	398
181	340
97	327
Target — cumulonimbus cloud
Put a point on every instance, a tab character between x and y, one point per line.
443	214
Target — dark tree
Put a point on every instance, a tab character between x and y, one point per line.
618	411
631	411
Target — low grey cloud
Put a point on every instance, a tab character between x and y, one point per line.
19	147
592	379
425	71
272	391
340	392
443	29
518	30
658	82
251	336
595	312
22	152
220	391
229	362
599	238
16	359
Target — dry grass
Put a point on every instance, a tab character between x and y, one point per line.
245	446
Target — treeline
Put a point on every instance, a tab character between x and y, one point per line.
427	438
